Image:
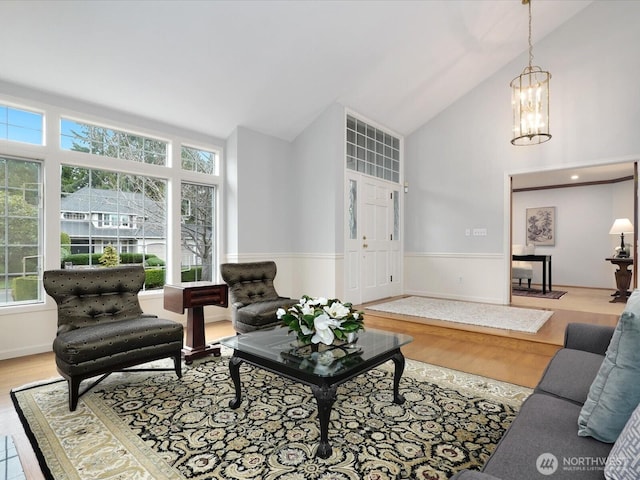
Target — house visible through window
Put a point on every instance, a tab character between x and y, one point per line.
197	230
103	202
123	210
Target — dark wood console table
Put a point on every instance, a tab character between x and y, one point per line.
544	259
194	296
623	278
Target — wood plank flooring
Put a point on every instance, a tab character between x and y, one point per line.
511	357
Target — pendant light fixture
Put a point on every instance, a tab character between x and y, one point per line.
530	101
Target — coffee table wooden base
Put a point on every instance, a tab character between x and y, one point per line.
323	388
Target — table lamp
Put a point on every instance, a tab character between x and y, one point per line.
621	226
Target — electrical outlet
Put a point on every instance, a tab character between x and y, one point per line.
479	232
467	232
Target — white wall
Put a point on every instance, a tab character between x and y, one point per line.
584	216
265	193
458	164
317	225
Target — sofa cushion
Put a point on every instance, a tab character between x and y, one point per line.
570	374
615	392
624	459
546	425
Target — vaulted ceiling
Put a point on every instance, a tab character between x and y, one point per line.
273	66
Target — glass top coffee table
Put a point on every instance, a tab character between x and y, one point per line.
323	370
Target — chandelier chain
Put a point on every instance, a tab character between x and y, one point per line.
530	44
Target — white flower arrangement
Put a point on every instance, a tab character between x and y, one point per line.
319	320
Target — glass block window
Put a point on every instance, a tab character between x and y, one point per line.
200	161
108	142
19	125
372	151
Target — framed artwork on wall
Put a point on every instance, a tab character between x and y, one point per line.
541	226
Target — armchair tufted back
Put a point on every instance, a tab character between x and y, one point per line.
250	282
88	296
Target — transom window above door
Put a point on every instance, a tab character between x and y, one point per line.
372	151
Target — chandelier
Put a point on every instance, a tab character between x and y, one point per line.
530	101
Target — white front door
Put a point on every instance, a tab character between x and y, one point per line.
372	258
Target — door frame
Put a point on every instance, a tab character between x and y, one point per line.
508	216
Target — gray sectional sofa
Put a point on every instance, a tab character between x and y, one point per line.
543	440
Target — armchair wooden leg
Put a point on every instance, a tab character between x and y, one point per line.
74	389
177	362
529	281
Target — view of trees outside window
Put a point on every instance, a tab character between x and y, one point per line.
103	210
107	217
20	230
200	161
197	231
107	142
124	213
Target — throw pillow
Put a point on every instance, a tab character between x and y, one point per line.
615	392
624	459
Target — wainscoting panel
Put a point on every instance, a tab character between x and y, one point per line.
457	276
315	274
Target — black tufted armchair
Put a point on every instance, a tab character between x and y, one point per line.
101	327
254	300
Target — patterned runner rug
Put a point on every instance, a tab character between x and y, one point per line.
537	293
480	314
153	426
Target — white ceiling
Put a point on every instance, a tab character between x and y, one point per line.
272	66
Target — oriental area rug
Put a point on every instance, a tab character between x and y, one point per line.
519	319
154	426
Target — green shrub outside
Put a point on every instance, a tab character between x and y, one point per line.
153	261
25	288
194	274
149	259
154	277
65	244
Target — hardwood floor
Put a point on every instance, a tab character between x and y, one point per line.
513	357
508	356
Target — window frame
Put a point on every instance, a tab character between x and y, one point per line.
52	156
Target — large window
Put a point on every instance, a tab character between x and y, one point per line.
120	194
197	232
123	211
20	231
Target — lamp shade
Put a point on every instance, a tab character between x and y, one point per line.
621	225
